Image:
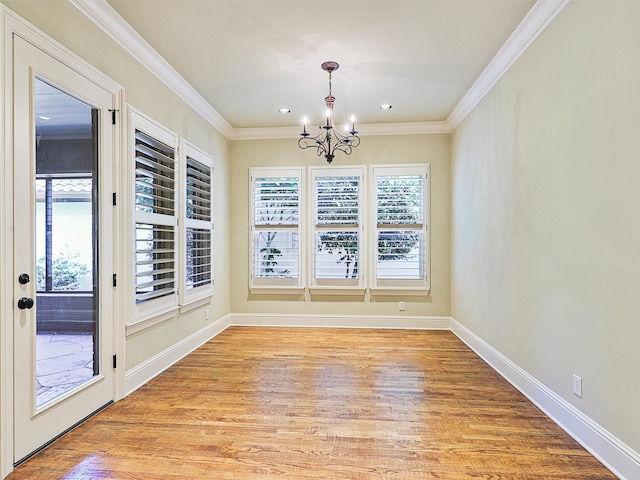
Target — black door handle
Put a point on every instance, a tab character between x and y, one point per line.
23	278
25	302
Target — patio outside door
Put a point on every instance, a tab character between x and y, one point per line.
63	340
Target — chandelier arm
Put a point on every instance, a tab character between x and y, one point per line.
318	142
344	148
354	140
347	142
305	143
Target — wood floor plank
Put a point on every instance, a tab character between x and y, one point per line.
296	403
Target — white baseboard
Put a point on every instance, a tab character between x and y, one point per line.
141	374
341	321
613	453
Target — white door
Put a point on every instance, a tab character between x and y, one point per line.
63	327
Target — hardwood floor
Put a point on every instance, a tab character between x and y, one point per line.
287	403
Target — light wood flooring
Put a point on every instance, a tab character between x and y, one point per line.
287	403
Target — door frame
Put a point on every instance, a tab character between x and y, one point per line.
11	24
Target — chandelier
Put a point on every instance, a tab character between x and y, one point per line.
330	140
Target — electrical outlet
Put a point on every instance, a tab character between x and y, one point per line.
206	314
577	385
401	306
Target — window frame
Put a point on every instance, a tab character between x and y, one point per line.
337	286
155	306
195	295
282	285
399	286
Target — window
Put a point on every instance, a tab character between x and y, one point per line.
197	227
337	259
276	233
389	255
155	217
400	237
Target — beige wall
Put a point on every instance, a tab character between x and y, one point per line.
546	212
433	149
62	21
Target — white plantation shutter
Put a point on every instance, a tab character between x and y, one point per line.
197	223
337	199
198	191
337	229
401	241
276	206
400	220
277	200
198	246
155	203
155	261
155	175
400	199
155	216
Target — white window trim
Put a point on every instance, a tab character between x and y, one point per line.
400	287
292	286
160	306
188	296
325	286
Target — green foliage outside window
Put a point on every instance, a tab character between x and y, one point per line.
66	272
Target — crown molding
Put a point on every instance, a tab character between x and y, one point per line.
409	128
111	23
367	129
105	17
264	133
531	26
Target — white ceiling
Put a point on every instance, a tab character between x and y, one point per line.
248	58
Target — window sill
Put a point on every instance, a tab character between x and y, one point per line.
337	290
270	290
145	323
400	291
193	304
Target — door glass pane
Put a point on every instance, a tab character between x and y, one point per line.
66	233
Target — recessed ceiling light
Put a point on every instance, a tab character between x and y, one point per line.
285	110
385	106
